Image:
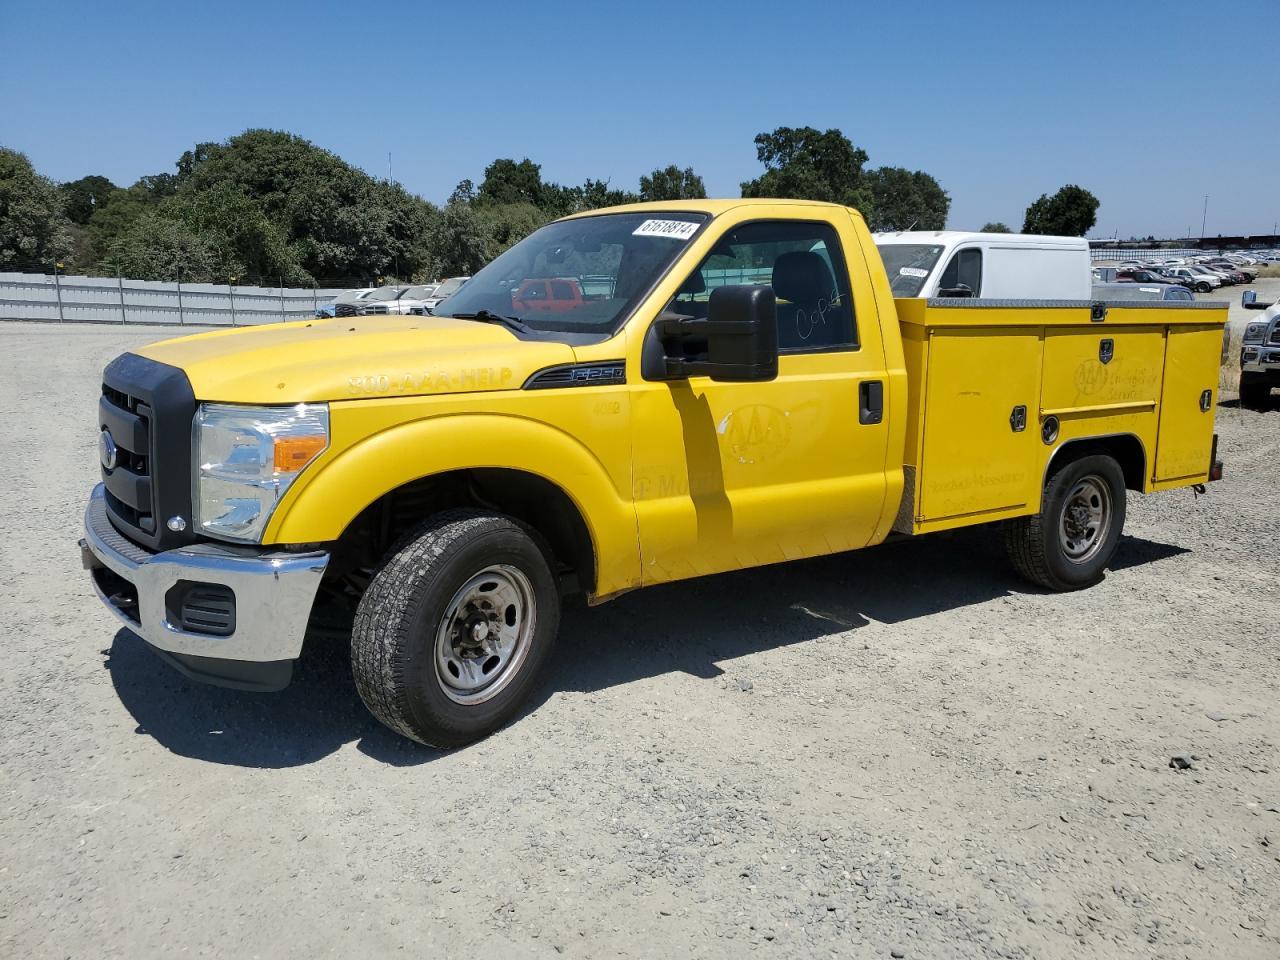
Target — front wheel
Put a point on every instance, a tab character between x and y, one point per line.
1204	287
1069	543
453	629
1255	391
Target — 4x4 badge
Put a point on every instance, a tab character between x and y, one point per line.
1106	350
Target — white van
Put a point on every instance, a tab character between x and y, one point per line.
994	266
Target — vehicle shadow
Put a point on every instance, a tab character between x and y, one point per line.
688	627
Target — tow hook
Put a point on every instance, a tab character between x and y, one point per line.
1198	489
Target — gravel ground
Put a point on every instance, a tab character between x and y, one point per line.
898	751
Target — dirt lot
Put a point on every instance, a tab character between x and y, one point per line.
904	749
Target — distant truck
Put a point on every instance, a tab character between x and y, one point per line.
449	478
1259	353
987	266
444	290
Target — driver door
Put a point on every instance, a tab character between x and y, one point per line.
731	475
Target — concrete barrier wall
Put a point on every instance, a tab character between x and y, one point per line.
36	296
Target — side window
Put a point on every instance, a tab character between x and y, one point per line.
804	264
965	268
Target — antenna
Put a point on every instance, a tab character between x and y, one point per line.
390	176
913	225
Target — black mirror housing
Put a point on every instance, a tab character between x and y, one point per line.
737	342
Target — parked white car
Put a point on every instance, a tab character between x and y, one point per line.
1002	266
345	304
446	289
1202	280
397	299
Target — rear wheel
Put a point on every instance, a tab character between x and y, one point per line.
1070	542
1255	392
453	629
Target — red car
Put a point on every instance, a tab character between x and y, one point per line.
549	296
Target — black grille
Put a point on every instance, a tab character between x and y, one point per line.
147	408
1275	333
345	310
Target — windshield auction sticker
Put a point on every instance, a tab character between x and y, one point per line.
913	272
674	229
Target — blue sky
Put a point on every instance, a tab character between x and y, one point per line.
1150	106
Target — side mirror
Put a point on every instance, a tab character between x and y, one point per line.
1249	300
959	290
736	342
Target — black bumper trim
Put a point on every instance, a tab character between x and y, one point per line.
266	676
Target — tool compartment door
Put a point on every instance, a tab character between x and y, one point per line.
975	461
1094	370
1185	442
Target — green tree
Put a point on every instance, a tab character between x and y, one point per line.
460	240
672	183
246	239
506	181
1070	212
158	247
808	164
113	217
34	231
996	227
464	192
595	194
904	199
510	223
340	224
81	197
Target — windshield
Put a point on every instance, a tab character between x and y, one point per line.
909	265
418	293
600	266
385	293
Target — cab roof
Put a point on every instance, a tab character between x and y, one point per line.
712	207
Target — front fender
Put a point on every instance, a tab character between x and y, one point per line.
333	492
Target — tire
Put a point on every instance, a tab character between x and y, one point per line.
1053	548
1204	287
1255	392
454	628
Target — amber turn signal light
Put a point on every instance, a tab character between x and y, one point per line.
294	453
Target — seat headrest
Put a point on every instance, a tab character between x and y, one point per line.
802	276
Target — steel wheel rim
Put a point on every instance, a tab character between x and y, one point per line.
1086	519
484	635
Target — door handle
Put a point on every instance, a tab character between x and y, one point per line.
870	401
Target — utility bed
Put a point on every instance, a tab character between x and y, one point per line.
996	386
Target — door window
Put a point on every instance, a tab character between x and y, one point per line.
964	270
804	264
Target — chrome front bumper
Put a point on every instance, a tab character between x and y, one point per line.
1260	358
273	593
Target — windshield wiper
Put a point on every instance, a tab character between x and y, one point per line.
488	316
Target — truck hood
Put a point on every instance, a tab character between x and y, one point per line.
348	358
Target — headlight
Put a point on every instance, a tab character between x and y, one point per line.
1254	331
246	458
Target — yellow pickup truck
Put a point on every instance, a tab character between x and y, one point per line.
697	387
